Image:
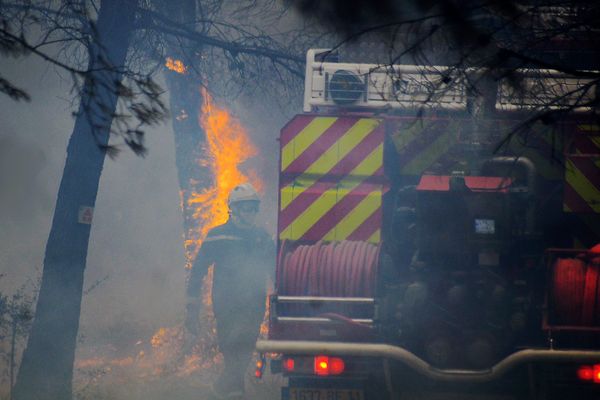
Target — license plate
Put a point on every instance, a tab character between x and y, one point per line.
325	394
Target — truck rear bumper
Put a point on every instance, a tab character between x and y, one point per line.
391	352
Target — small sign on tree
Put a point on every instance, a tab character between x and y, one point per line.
86	215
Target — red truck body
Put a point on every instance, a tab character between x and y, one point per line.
420	250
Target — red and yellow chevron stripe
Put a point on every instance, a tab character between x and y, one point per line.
582	171
432	145
541	144
423	143
331	179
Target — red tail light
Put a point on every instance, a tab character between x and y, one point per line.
289	364
322	365
336	366
589	373
585	373
325	365
260	367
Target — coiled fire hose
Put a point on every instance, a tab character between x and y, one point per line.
338	269
576	290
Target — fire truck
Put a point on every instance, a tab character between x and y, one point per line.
434	238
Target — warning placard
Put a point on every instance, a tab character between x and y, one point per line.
86	214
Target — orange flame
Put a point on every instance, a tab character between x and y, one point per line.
228	146
175	65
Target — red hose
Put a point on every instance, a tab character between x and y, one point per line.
589	295
300	270
284	272
321	287
355	283
324	258
312	271
344	268
568	290
280	262
372	258
333	271
332	252
291	276
360	269
369	284
347	321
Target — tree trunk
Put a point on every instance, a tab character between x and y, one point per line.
185	105
46	370
190	140
190	150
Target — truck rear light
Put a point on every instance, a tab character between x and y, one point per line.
289	364
260	366
325	365
589	373
259	369
585	373
336	366
322	365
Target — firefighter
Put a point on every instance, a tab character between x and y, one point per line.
242	255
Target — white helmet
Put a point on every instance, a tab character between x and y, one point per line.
243	192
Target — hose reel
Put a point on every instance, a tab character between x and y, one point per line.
336	269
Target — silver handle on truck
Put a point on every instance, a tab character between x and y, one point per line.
321	319
318	299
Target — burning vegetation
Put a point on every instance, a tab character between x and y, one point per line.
175	65
166	355
228	146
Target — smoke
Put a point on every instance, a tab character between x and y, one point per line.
135	280
32	147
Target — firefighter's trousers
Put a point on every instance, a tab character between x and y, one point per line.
237	331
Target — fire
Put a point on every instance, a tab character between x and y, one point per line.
159	338
228	146
175	65
264	326
103	362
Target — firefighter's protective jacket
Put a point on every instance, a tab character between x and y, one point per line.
242	258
